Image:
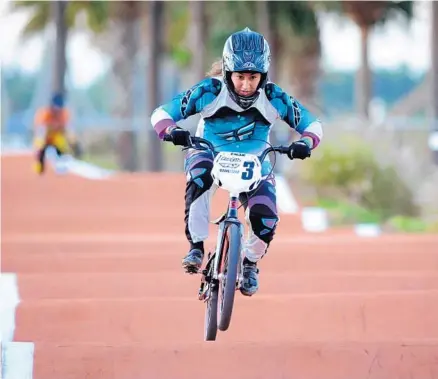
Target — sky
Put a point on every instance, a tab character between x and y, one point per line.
395	45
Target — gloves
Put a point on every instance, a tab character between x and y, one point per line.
298	149
178	136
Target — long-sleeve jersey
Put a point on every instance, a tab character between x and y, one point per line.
232	128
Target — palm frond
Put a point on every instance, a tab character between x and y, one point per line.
19	5
404	8
97	15
40	14
299	15
38	21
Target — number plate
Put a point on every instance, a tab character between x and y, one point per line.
237	172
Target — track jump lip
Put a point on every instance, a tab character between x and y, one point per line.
277	298
23	238
324	344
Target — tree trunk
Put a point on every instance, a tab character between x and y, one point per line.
58	83
155	33
363	80
434	40
264	27
435	79
123	67
197	32
304	69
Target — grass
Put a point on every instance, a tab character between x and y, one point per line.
107	162
343	213
411	225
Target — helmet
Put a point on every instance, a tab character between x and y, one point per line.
245	51
57	100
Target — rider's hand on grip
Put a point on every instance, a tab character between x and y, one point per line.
298	150
178	136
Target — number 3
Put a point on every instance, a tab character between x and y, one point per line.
248	174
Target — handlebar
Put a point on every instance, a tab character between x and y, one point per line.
198	142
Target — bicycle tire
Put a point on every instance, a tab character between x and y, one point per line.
210	322
232	257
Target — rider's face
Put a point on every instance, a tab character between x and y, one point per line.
245	83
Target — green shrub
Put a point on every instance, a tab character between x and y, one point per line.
349	172
346	166
389	195
344	213
407	224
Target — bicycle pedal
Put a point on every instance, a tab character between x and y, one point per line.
202	295
191	270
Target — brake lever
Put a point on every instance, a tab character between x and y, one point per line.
189	145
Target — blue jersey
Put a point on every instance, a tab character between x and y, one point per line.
231	128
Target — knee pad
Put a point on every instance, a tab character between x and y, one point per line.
198	171
201	177
199	182
263	222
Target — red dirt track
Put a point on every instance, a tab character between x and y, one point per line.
104	297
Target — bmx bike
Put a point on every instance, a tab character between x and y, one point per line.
222	273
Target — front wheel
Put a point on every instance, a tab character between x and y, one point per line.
229	264
210	323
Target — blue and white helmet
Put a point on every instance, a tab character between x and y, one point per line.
245	51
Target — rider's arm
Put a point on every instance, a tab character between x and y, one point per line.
39	123
184	105
295	115
40	118
66	118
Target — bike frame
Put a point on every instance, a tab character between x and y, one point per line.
232	206
232	217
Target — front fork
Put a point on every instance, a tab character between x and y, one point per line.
210	276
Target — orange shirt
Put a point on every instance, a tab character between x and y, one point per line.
53	121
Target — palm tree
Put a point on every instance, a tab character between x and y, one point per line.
122	17
154	32
61	41
265	26
435	63
295	31
63	14
199	38
132	26
366	14
434	72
